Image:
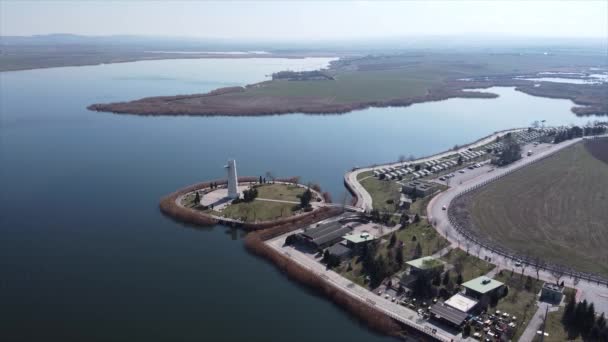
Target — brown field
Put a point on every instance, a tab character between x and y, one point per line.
378	82
554	209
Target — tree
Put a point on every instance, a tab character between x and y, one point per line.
558	272
418	251
460	160
459	279
466	330
539	264
269	175
261	180
446	278
416	218
568	315
305	198
399	255
392	240
197	199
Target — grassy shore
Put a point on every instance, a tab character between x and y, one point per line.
381	81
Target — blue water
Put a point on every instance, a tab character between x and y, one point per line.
85	253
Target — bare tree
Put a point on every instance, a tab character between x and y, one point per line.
477	248
411	157
467	244
558	271
270	175
538	264
401	159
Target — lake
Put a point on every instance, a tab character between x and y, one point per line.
85	254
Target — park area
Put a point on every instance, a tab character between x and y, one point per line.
273	201
553	210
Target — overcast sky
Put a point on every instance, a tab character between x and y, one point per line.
306	20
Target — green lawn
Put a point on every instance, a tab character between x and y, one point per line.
520	301
555	328
428	238
285	192
382	191
258	210
425	234
471	266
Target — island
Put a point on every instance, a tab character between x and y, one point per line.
354	83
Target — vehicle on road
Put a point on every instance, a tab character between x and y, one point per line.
461	171
443	208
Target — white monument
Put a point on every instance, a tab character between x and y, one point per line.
233	189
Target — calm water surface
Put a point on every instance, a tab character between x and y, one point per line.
85	254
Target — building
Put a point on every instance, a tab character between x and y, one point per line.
356	241
427	264
233	180
447	314
418	188
461	302
483	286
339	251
551	293
405	202
324	235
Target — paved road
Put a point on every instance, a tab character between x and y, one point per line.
598	294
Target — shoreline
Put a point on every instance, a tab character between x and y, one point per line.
170	206
167	57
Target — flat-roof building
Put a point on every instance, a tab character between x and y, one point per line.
482	286
325	234
461	302
340	251
448	314
551	293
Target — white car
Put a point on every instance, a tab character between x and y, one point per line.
461	171
444	208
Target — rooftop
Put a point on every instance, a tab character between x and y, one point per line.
358	238
325	233
461	302
424	263
482	284
448	313
338	250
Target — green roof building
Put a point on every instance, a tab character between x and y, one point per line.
482	286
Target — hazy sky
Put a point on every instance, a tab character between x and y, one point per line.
306	20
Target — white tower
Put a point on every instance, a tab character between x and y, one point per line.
233	190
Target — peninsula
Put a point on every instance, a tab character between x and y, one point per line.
386	81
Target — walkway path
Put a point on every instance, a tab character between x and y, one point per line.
392	309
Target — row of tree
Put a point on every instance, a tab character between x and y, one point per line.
511	151
577	132
579	319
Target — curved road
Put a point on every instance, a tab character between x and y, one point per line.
593	292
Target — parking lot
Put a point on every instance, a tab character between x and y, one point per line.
470	171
